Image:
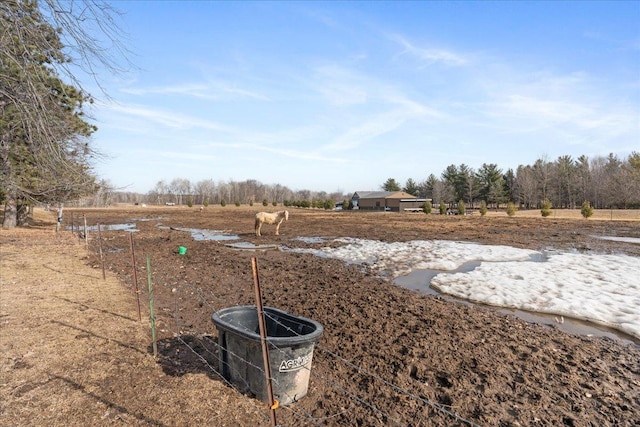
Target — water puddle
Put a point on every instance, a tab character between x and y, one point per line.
419	280
619	239
106	227
250	246
203	234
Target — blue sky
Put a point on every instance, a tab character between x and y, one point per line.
340	96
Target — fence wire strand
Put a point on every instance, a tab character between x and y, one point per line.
201	296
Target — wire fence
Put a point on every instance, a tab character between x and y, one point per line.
208	351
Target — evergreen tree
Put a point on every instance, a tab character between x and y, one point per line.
391	185
491	183
587	210
546	208
45	155
461	207
411	187
483	208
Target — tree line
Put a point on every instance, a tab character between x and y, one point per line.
182	191
605	182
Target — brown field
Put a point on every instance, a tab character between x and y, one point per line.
76	354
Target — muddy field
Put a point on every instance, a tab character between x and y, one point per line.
388	355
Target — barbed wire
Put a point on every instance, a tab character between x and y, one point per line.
110	246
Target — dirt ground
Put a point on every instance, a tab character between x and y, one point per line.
75	352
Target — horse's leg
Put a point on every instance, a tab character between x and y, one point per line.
258	227
278	228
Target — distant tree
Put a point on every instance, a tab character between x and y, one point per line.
632	168
443	208
453	183
542	173
525	187
546	208
587	209
483	208
584	186
511	209
461	207
426	207
391	185
430	187
180	187
564	180
190	201
491	183
469	184
509	182
411	187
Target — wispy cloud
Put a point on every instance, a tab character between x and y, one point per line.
193	90
428	56
281	151
185	156
170	119
211	91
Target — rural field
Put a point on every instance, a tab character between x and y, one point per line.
78	351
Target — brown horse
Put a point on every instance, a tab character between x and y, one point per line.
270	218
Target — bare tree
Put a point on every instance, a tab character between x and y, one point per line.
45	152
526	187
542	172
204	191
180	188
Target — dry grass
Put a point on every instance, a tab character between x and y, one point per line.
74	351
598	214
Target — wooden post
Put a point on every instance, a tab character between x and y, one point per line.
152	316
265	345
104	276
86	242
135	275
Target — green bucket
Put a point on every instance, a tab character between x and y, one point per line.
182	250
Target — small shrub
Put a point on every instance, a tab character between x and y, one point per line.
587	209
461	207
274	203
511	209
237	203
546	208
265	202
426	207
190	202
223	203
206	203
250	202
483	208
443	208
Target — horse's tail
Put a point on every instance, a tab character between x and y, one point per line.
257	222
